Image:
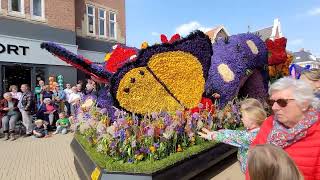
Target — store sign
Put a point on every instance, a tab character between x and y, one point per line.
13	49
23	50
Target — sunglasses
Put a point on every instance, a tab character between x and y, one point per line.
280	102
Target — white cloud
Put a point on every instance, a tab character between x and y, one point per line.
155	34
295	42
185	29
314	12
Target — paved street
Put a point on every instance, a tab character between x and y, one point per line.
33	159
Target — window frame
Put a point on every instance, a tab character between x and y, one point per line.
104	24
115	25
94	19
35	17
16	13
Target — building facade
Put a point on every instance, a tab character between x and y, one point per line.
89	28
304	58
219	32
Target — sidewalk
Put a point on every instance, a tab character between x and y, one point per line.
37	159
233	172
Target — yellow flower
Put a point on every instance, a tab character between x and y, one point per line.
152	149
179	71
179	149
139	157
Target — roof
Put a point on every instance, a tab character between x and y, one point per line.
213	32
302	56
272	32
265	33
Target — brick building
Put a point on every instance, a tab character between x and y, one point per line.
89	28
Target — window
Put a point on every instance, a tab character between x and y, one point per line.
112	25
102	23
16	6
37	8
91	19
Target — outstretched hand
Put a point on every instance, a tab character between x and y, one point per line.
206	134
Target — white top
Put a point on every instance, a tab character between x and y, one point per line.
73	96
16	95
68	93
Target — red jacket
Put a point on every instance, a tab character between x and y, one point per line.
305	152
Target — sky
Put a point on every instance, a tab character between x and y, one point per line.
300	20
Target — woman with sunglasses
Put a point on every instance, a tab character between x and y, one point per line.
295	125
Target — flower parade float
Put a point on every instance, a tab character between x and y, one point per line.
144	124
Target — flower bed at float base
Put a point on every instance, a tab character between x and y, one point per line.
151	143
147	166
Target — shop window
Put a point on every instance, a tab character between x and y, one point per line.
91	19
102	23
112	25
37	9
16	6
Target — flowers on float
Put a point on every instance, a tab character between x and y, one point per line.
155	136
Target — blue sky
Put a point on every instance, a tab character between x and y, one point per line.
300	20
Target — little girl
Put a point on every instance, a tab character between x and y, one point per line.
253	115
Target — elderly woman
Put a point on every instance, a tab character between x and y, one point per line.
10	114
295	125
47	112
312	76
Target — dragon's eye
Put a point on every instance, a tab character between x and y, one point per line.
132	80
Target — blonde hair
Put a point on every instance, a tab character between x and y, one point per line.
254	110
13	86
270	162
38	121
312	74
250	102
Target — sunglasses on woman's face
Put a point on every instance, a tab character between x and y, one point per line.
280	102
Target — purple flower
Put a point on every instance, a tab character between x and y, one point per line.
130	160
179	113
156	145
180	129
150	131
154	115
113	145
137	152
195	115
167	120
117	113
144	150
122	135
104	111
